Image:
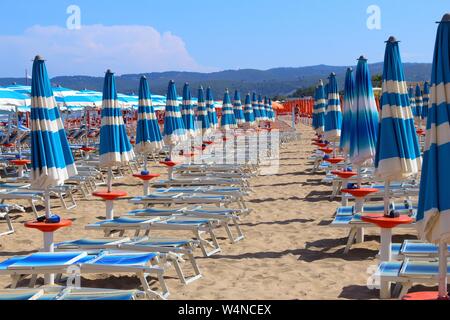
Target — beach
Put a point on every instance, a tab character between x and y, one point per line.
290	251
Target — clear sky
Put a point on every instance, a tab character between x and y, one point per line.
207	35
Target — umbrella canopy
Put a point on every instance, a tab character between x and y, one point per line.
333	114
20	89
364	128
228	120
255	107
210	105
202	113
271	112
412	102
319	107
115	147
10	99
188	114
174	131
148	135
398	153
262	109
419	102
434	201
426	99
51	159
238	112
267	109
79	100
348	106
248	111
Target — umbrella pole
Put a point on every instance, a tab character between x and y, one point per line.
387	185
145	162
47	204
443	294
358	168
109	182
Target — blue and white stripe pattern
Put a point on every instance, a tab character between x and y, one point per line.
255	107
419	103
202	113
262	109
115	147
228	121
248	111
188	113
148	134
333	114
26	90
238	112
398	153
210	105
271	111
267	109
174	131
10	99
412	102
348	108
365	120
320	106
426	100
434	201
51	158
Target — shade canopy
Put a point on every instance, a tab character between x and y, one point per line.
348	107
202	113
333	114
228	120
188	113
248	111
210	105
320	104
174	131
237	107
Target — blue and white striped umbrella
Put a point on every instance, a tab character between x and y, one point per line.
26	90
267	109
115	147
228	121
348	107
188	113
255	107
174	131
434	201
262	109
248	111
333	114
365	119
412	102
320	106
148	134
426	100
237	106
210	105
398	153
202	113
419	103
51	159
271	111
10	100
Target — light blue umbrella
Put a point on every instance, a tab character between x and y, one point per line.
333	114
188	114
419	104
255	107
426	99
148	134
248	111
228	121
26	90
202	113
115	147
210	105
237	107
365	119
262	109
320	103
433	214
51	159
174	131
348	107
11	100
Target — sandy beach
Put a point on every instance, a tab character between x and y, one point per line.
290	251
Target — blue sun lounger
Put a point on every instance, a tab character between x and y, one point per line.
140	264
350	210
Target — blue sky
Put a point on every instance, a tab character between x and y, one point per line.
207	35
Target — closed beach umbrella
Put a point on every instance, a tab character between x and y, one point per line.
267	109
426	99
248	111
262	109
255	107
115	147
188	113
238	112
271	112
210	105
227	121
174	131
434	202
333	114
320	106
419	104
348	106
51	158
365	119
148	134
412	101
202	113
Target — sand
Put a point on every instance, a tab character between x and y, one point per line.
290	251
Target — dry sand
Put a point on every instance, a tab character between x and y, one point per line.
290	251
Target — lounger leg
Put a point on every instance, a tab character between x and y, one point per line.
33	206
351	239
385	290
150	293
360	235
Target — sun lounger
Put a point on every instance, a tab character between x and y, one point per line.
140	264
4	214
17	194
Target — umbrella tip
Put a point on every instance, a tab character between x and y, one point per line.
171	82
349	69
201	87
39	58
362	57
446	18
144	77
109	71
333	74
392	39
